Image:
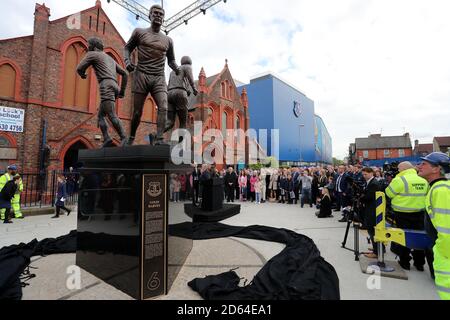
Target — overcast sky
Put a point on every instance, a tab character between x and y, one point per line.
371	66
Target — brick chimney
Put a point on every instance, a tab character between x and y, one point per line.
244	98
39	52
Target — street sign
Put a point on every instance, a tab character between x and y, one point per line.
11	119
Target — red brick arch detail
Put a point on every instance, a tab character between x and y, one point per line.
230	117
241	120
18	71
12	141
64	150
63	50
71	41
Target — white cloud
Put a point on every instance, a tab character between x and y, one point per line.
369	65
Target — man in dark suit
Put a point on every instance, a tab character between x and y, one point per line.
230	181
296	181
195	185
369	207
341	188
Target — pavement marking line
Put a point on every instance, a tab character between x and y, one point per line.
70	295
259	254
73	294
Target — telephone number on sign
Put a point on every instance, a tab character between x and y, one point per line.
11	127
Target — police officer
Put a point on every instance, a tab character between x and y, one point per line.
8	176
15	202
433	169
407	192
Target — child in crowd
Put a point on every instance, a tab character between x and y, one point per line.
257	186
243	186
176	189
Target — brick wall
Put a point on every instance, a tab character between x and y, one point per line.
40	59
378	154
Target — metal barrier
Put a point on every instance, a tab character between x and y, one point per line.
39	189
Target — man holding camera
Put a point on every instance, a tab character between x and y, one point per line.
341	189
434	168
407	192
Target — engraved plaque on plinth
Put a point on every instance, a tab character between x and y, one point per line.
154	236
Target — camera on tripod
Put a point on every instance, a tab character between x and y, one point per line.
357	191
391	169
353	214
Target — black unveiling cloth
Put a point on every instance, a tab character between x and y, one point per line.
16	258
297	273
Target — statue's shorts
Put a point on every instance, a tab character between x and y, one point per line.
178	100
109	90
144	83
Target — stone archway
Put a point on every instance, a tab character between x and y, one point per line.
70	157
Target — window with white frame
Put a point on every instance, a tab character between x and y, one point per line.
387	153
401	153
365	154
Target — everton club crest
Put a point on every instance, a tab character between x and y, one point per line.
297	109
154	189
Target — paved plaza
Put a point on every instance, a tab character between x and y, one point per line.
212	257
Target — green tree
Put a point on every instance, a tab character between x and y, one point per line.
257	166
337	162
272	162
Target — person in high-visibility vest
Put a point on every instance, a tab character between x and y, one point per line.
15	202
8	176
433	168
407	192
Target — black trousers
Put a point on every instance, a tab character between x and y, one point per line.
7	214
58	210
195	192
339	200
297	193
412	221
230	193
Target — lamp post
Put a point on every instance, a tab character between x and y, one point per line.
301	147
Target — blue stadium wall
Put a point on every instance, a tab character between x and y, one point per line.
303	138
323	141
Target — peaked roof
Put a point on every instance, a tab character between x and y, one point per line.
379	142
210	80
96	6
443	141
424	148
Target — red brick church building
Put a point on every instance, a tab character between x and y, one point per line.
220	106
37	75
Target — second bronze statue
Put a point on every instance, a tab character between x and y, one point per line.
179	92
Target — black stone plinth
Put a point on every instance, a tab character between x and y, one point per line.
213	194
123	218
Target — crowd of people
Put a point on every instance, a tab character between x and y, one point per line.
299	185
418	198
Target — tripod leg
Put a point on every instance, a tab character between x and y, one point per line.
356	240
349	222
